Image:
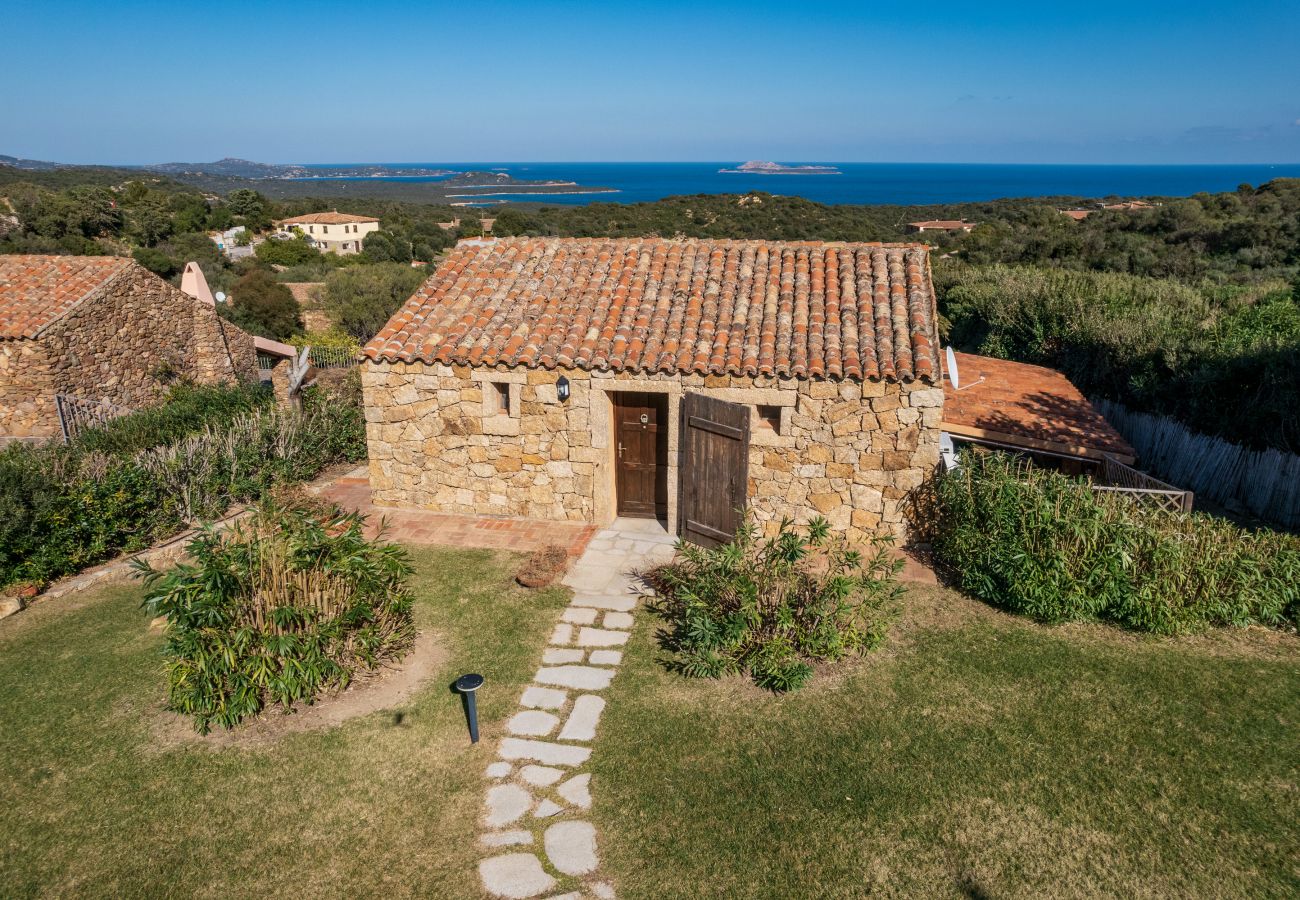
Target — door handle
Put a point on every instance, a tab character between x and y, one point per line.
620	449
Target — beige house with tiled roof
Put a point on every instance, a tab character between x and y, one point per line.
102	329
586	379
333	232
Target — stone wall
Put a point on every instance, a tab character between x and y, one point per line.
124	345
850	450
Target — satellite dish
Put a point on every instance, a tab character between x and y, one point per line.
221	298
952	372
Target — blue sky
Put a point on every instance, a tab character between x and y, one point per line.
358	81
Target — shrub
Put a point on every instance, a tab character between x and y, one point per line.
263	306
65	508
771	607
296	251
279	608
361	299
1038	543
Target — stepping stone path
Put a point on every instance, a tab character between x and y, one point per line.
535	839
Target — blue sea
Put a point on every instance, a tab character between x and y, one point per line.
901	183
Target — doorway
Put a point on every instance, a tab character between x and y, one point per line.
641	454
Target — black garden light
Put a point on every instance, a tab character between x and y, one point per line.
467	685
562	389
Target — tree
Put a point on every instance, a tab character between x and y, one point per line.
246	202
156	261
293	252
428	240
150	222
510	222
363	298
470	228
263	306
386	246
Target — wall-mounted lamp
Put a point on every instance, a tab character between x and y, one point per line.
562	389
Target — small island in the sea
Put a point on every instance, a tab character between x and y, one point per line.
770	168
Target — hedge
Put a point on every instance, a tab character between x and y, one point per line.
1039	543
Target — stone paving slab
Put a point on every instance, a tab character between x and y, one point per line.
558	791
543	752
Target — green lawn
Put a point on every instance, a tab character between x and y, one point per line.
978	755
94	803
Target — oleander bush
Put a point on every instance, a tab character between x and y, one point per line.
771	607
63	508
1045	545
276	610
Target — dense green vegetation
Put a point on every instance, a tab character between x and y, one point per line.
1038	543
66	507
277	609
360	299
261	305
1225	360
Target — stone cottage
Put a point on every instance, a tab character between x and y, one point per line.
583	379
102	328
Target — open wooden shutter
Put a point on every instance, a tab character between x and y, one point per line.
714	474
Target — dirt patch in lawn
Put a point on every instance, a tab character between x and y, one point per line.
370	692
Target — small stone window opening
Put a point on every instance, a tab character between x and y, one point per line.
501	396
769	418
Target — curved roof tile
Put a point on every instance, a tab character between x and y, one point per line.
802	309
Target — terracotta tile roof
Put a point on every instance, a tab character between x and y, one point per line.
37	290
327	218
831	310
1017	401
1077	214
943	224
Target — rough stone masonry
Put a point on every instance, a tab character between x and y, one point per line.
849	450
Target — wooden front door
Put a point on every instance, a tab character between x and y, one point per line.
641	454
715	469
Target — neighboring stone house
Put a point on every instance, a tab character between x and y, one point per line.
102	328
797	378
333	232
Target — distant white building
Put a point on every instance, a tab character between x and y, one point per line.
227	242
333	232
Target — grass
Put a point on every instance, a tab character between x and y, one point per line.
978	755
94	802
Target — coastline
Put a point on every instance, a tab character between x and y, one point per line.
538	193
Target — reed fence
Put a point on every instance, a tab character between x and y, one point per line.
1264	483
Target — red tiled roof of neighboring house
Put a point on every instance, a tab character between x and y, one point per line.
327	218
834	310
949	224
38	290
1077	214
1027	406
